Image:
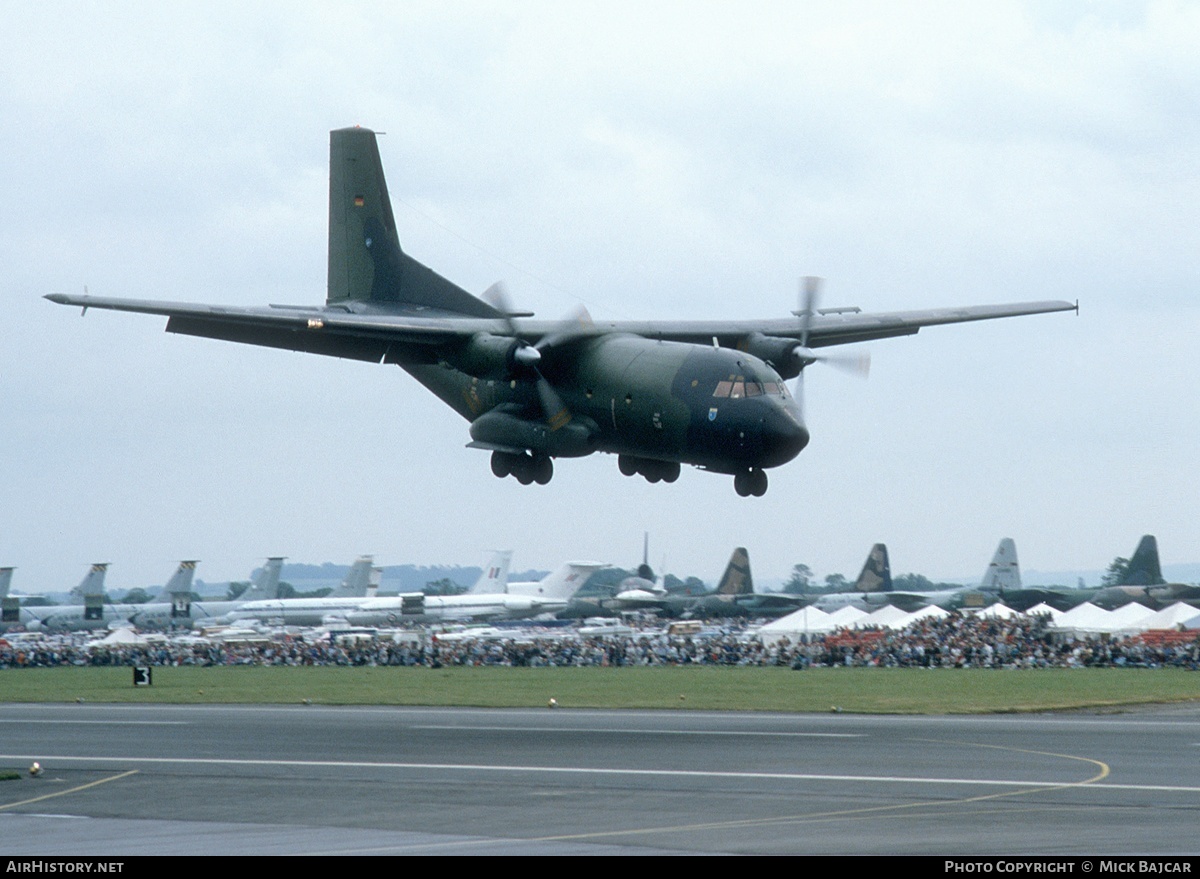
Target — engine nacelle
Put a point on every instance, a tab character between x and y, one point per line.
520	604
486	356
775	350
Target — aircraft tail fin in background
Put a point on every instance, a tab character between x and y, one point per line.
266	584
181	581
1003	573
366	262
737	580
358	579
876	575
1143	568
566	581
494	577
5	581
644	570
93	583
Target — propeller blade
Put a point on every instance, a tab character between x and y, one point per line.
798	393
810	293
856	363
579	322
497	297
555	410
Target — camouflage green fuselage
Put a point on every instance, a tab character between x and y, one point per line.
648	399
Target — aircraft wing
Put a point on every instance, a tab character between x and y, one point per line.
908	601
338	332
374	333
772	601
835	329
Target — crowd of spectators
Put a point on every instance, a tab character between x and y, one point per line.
957	641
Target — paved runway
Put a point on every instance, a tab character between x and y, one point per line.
129	780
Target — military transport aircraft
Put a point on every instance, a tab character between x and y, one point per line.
658	394
874	589
179	611
359	585
1142	581
96	611
733	596
488	599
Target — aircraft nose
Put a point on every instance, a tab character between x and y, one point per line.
783	437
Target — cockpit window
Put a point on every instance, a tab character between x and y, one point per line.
739	386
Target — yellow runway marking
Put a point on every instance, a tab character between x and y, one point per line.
72	790
1103	772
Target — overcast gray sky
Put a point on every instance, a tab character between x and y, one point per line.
650	160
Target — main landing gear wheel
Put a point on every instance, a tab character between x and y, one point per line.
502	463
526	469
651	469
750	482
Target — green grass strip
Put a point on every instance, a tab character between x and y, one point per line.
872	691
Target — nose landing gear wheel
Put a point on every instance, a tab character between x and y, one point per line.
750	482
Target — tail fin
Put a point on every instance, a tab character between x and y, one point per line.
181	581
374	581
876	575
1003	573
10	606
1143	568
566	581
93	584
91	589
644	570
737	580
266	584
365	259
495	574
357	579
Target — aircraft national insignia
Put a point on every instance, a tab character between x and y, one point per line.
712	414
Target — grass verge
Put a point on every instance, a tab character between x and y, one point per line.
874	691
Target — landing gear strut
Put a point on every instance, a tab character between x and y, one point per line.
653	470
526	468
750	482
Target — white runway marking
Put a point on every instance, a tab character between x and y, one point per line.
99	722
49	759
643	732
